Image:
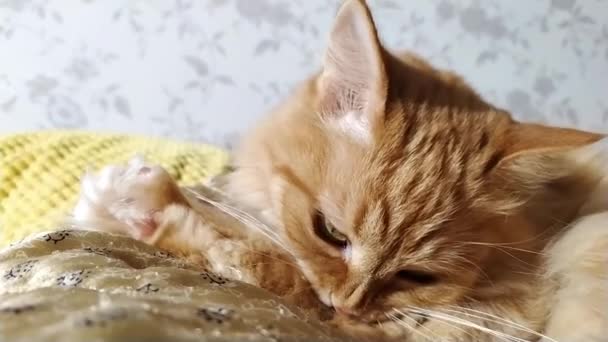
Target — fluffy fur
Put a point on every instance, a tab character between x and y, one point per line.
421	175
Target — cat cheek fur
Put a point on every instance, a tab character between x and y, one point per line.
323	265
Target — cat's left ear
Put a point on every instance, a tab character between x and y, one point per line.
557	166
353	84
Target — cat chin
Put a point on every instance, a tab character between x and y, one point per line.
382	319
386	331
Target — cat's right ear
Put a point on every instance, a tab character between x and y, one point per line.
353	85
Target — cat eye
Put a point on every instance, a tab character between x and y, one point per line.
327	232
417	277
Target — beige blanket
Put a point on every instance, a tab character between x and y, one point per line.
89	286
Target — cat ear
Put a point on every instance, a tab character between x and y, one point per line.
531	139
552	167
353	84
536	148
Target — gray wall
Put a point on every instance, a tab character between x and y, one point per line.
204	70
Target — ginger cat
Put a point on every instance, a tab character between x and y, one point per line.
393	195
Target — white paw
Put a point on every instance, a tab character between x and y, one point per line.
124	199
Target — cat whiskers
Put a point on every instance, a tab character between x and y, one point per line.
411	327
244	246
501	246
450	325
543	236
495	319
502	249
247	219
448	318
452	266
505	246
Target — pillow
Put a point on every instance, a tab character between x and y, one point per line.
40	172
72	286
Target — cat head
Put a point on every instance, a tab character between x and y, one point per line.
390	180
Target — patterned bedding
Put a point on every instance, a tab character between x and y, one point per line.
75	285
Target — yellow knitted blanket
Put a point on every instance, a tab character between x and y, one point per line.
40	172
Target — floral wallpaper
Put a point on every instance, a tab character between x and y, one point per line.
204	70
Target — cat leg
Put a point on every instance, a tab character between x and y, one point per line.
126	199
143	201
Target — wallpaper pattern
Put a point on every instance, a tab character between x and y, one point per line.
204	70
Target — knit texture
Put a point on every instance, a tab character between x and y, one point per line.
40	172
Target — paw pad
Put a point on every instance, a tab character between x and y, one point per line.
130	194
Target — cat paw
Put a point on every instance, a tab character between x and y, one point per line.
125	198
